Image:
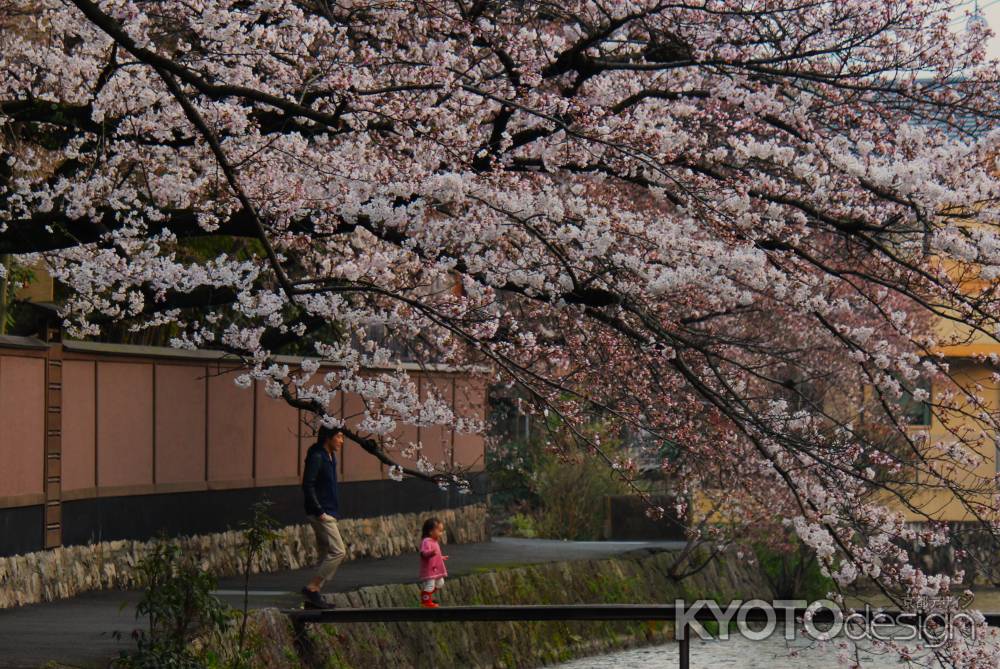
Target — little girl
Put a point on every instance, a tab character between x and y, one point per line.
432	571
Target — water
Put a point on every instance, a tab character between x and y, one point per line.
773	653
736	652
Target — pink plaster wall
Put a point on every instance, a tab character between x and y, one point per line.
230	430
306	439
79	441
436	440
358	465
124	424
22	425
277	437
113	431
180	423
470	400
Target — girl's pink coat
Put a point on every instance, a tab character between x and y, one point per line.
431	562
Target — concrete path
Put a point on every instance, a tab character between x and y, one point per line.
79	632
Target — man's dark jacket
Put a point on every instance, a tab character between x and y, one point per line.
319	482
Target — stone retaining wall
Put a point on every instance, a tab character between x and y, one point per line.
640	577
71	570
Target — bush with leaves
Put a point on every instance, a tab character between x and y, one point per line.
260	530
549	489
790	566
180	608
178	605
522	525
511	465
573	493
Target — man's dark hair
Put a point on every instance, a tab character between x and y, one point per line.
429	526
328	433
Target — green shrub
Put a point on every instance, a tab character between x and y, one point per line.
573	496
178	606
549	486
511	466
792	570
522	525
181	610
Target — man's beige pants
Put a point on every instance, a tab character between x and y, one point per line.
331	547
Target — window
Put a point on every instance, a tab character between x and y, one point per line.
508	422
916	410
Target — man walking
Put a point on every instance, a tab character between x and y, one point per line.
319	484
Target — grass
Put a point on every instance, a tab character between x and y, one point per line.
488	568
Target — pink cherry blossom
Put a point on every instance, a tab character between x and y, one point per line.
730	228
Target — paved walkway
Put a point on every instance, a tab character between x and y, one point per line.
79	632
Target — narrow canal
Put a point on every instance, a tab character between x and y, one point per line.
773	653
736	652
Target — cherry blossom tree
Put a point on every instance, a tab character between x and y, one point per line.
732	225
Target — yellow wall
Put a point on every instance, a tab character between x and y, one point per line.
937	504
941	504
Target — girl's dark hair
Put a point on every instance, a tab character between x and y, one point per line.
429	526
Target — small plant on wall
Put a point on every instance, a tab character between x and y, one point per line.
259	531
178	606
182	613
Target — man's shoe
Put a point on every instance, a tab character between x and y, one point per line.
314	600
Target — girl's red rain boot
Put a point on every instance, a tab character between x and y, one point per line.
426	600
